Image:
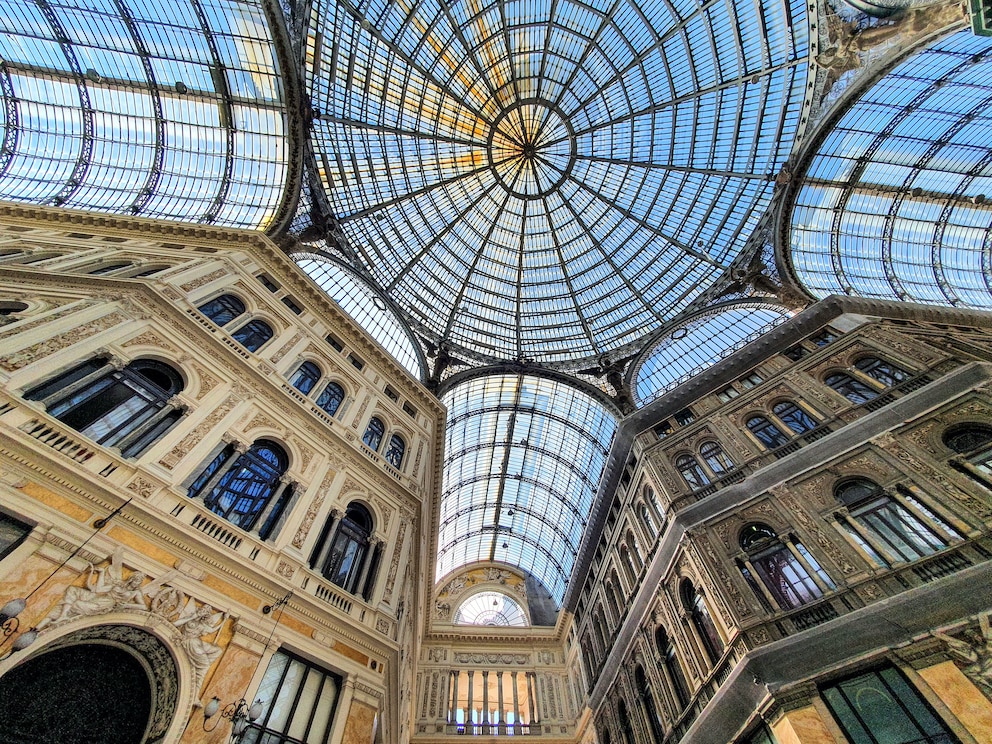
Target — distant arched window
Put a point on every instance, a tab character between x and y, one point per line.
373	434
647	704
647	520
651	499
126	408
891	528
305	377
241	487
626	725
635	553
344	553
702	621
967	438
691	471
222	310
673	669
627	563
885	372
599	629
766	432
395	450
794	417
851	388
330	399
108	269
253	335
715	458
778	567
613	597
590	663
145	271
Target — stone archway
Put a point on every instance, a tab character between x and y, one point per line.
113	684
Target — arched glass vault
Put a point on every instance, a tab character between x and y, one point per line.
523	459
551	179
158	109
896	202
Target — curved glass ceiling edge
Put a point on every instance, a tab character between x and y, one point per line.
922	239
365	304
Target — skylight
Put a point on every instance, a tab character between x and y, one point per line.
703	341
491	608
365	306
551	180
163	109
897	202
523	459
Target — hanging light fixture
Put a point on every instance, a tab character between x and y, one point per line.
240	713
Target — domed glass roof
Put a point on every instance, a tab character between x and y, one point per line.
551	179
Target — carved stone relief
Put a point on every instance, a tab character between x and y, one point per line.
188	442
971	651
24	357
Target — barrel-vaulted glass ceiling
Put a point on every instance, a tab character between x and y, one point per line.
523	459
365	306
551	179
691	347
897	201
159	109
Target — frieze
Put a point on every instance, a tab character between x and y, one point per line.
463	657
207	381
395	562
285	570
311	514
971	503
69	309
142	487
205	279
287	347
262	420
24	357
150	338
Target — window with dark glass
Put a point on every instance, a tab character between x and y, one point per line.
779	568
239	487
883	371
222	310
146	271
127	408
824	337
897	527
330	398
268	283
684	417
647	520
298	698
291	304
851	388
108	269
761	736
646	698
663	429
702	621
12	533
373	434
794	417
672	667
795	353
626	725
253	335
395	451
766	432
966	439
305	377
715	458
881	707
691	471
343	552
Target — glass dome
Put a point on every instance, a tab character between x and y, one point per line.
552	179
490	608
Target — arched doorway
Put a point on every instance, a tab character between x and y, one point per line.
99	685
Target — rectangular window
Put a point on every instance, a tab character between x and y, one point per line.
727	394
824	337
298	703
334	342
268	283
12	533
409	410
288	302
685	417
751	380
391	394
356	362
881	707
663	429
795	353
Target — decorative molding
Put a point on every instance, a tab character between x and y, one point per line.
24	357
188	442
204	279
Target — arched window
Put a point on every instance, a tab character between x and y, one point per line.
241	487
794	417
854	390
896	527
344	552
673	669
145	271
627	563
885	372
778	567
702	621
373	434
691	471
647	520
108	269
967	438
590	663
626	725
599	628
330	399
635	552
253	335
395	450
613	597
127	408
651	499
222	310
305	377
647	704
715	458
766	432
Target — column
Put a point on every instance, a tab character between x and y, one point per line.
285	483
485	701
501	728
173	404
442	713
469	723
453	715
371	557
532	694
344	708
239	448
516	705
817	579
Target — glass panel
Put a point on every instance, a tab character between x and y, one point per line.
490	608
